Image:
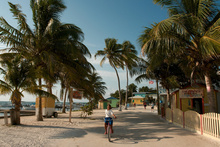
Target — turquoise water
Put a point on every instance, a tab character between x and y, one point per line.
6	105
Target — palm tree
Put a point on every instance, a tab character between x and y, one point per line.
146	72
74	78
144	89
132	88
64	46
50	46
130	59
98	87
191	30
113	52
19	76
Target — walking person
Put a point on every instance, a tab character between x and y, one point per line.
152	107
145	105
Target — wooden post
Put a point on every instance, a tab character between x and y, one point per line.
201	125
172	115
203	108
218	123
176	100
6	117
180	104
183	120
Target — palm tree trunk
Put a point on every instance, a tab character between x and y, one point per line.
168	97
119	89
49	89
210	92
17	112
40	116
158	98
126	96
70	109
64	102
17	109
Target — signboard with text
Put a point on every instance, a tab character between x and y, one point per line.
77	94
191	93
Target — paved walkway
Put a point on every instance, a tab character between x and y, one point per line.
136	127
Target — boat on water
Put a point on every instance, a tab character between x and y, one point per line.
28	107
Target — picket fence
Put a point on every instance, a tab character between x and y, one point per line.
207	123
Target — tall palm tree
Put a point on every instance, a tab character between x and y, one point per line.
146	72
192	30
50	46
63	45
113	52
130	60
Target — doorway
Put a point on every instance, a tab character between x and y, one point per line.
197	105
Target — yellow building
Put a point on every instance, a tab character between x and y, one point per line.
138	100
48	107
192	98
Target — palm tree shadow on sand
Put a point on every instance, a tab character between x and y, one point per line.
66	133
117	139
139	127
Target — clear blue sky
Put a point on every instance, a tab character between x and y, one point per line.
101	19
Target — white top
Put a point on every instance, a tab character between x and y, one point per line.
108	113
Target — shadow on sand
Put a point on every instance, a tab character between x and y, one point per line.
66	133
138	127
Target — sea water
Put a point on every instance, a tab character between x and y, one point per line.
6	105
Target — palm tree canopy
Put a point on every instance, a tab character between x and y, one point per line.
51	45
129	54
191	34
192	26
112	52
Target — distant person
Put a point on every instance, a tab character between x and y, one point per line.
145	105
108	118
152	107
134	104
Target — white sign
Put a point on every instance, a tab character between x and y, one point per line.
191	93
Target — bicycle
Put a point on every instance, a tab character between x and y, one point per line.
109	131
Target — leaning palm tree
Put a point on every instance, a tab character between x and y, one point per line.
130	60
191	30
50	46
113	52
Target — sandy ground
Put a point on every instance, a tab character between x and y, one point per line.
133	127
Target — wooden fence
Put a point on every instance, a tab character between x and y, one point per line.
211	123
208	123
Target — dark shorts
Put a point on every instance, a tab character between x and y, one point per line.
108	120
145	105
152	107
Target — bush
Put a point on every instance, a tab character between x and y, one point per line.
87	110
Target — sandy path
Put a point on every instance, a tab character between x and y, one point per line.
137	127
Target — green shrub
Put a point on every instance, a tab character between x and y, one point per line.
87	110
